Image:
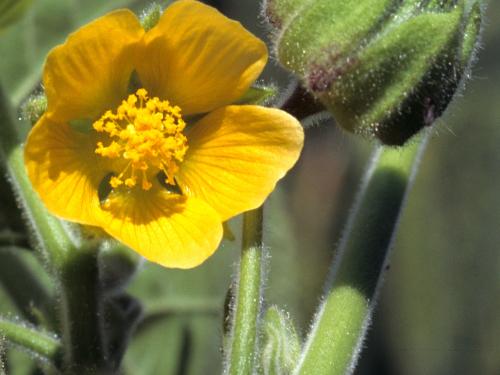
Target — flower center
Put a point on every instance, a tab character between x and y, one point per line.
146	134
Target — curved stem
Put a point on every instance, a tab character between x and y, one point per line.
41	343
335	340
248	297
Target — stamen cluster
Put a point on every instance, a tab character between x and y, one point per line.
147	134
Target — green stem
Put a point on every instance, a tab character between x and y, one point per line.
248	298
336	337
34	340
50	238
22	285
81	313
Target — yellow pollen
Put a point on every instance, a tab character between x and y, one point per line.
147	134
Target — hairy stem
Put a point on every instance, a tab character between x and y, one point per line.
248	297
81	314
336	337
30	338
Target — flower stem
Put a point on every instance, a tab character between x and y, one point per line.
336	337
248	297
32	339
81	313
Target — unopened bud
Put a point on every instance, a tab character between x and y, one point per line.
34	107
150	16
384	68
280	343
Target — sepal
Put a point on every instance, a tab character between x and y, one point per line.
259	95
34	107
281	344
384	68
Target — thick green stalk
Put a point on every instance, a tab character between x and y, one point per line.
248	297
336	337
81	313
32	339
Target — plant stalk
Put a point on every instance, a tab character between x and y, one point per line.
340	324
81	313
32	339
248	297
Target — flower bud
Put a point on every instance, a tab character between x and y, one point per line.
150	16
34	107
280	343
384	68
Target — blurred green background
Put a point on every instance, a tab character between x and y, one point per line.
440	306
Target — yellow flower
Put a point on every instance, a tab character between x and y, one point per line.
161	167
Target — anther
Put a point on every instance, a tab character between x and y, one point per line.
146	133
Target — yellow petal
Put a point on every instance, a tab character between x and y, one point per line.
236	156
199	59
90	72
168	229
64	170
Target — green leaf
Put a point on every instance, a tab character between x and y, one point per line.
181	305
286	279
27	284
17	362
258	95
156	348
